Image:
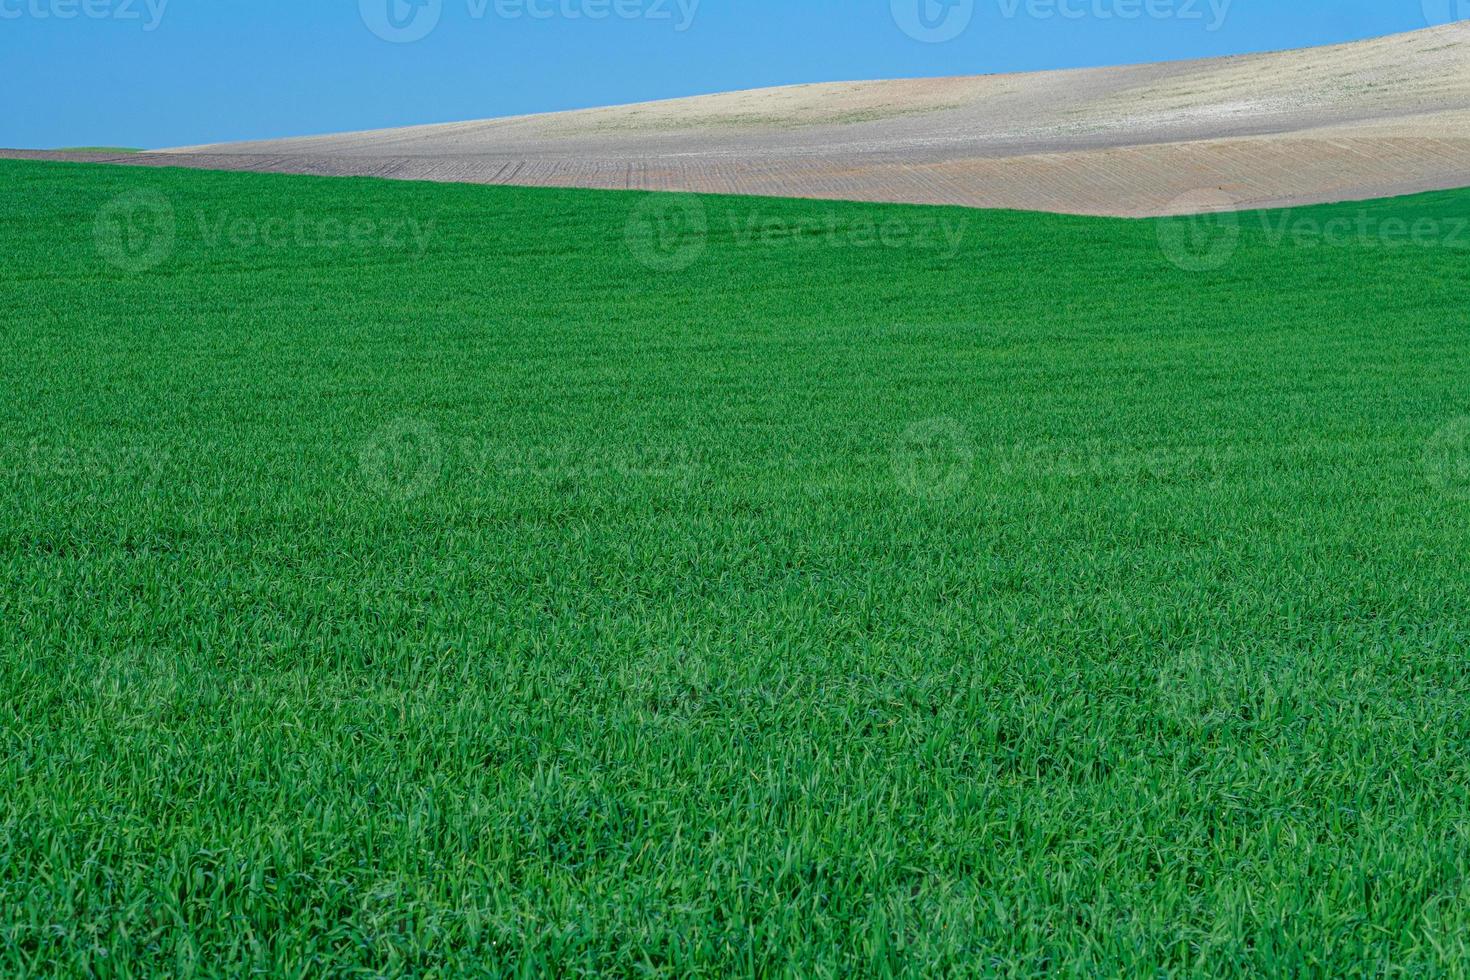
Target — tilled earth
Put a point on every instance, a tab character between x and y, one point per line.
1369	119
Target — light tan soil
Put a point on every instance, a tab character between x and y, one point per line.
1368	119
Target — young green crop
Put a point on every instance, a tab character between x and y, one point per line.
443	580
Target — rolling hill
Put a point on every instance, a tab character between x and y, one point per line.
1368	119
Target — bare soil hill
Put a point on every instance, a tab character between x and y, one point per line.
1368	119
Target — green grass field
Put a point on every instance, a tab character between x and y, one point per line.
445	580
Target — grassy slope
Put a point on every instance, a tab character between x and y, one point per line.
658	659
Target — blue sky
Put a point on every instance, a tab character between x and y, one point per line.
156	73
